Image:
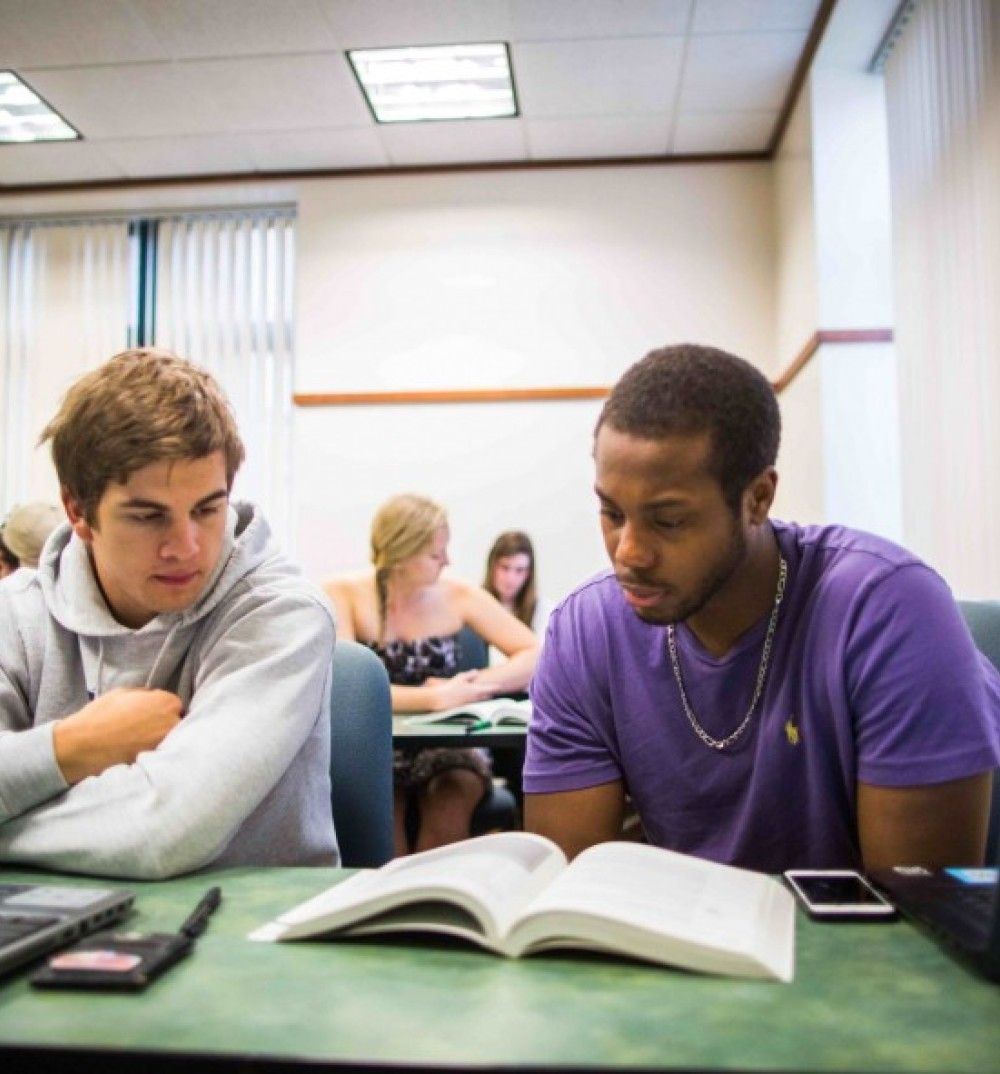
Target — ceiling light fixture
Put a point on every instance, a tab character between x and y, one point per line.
407	85
25	117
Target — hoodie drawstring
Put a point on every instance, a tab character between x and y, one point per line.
159	656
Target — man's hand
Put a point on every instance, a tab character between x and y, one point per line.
114	729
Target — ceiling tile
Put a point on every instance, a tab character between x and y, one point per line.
739	71
260	85
279	92
723	132
598	77
451	143
738	16
598	136
561	19
194	28
132	100
40	33
364	24
56	162
355	147
201	155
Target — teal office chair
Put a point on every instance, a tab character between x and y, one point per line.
983	620
472	650
361	756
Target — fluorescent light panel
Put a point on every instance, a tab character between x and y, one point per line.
406	85
25	117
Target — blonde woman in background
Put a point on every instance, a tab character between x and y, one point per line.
409	613
25	532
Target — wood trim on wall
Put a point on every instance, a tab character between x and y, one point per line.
464	395
828	335
799	77
304	174
529	395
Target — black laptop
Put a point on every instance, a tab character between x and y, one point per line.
36	919
961	907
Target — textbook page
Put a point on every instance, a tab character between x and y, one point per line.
494	711
655	904
490	878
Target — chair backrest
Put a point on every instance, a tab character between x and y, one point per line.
361	756
983	620
473	652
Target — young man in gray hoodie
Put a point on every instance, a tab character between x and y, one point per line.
165	673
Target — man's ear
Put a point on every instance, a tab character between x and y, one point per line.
74	512
759	496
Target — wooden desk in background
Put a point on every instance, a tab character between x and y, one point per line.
865	998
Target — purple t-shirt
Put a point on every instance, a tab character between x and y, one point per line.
873	678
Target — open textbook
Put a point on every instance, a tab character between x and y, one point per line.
514	894
495	712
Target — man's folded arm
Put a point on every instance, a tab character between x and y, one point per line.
29	773
260	688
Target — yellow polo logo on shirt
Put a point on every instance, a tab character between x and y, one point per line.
792	732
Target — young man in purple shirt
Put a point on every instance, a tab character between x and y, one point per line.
767	694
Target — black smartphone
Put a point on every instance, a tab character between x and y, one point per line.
108	960
838	895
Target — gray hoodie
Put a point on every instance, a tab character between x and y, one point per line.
242	780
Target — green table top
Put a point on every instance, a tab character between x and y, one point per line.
865	998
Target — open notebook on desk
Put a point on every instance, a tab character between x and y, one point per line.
495	712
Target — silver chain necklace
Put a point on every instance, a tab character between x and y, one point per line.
765	657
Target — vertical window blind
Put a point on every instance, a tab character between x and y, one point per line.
943	102
214	287
16	299
65	302
223	298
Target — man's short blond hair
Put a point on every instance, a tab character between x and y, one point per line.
142	406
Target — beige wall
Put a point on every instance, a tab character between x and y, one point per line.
494	279
530	278
800	461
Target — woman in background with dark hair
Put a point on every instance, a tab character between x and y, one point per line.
510	577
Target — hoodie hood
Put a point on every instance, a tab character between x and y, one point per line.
117	655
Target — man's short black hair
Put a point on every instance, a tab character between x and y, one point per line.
685	390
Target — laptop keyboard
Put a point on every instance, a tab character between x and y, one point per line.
972	900
976	899
964	915
17	926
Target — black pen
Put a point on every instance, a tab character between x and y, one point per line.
198	921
